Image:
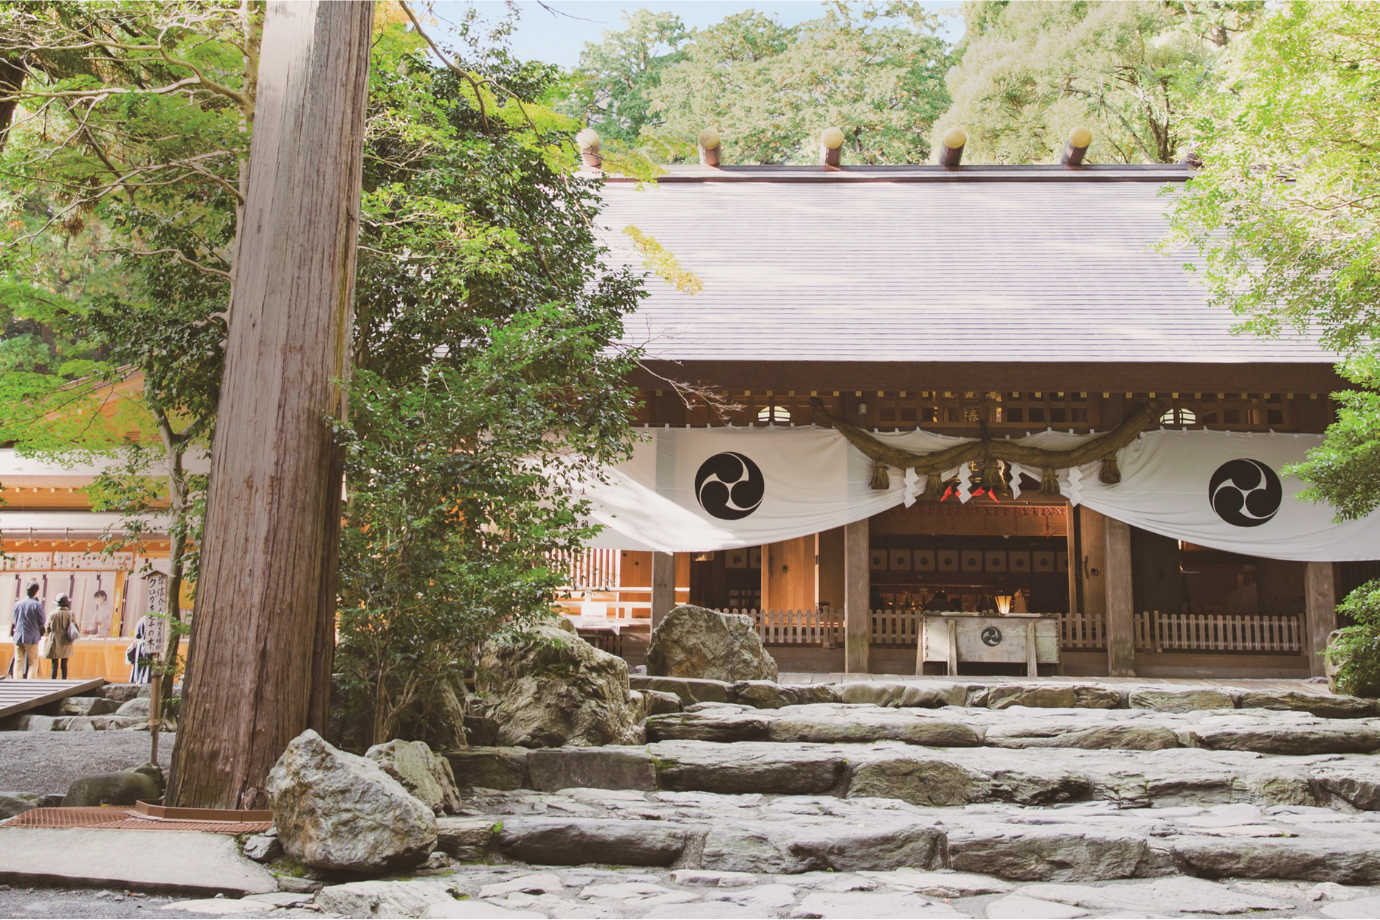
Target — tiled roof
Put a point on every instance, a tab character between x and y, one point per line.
918	264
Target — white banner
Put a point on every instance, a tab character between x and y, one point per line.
700	489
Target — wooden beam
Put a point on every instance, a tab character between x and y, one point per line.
857	592
663	586
1121	605
1320	604
1089	376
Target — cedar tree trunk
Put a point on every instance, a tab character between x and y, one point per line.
263	632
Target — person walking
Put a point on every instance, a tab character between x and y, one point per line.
62	631
27	629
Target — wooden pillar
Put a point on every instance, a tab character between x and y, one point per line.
788	575
857	591
1121	604
1320	602
663	586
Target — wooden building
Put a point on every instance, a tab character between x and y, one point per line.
977	302
49	534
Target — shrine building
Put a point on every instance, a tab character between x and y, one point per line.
1112	452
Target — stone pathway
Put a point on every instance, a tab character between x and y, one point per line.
1057	799
501	891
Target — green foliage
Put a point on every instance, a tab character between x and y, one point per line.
488	381
873	69
1355	650
1285	212
611	88
119	180
1128	70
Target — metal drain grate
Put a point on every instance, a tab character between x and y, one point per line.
127	820
69	817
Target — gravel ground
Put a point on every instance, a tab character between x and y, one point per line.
80	902
46	762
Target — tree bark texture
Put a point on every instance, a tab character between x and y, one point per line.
263	631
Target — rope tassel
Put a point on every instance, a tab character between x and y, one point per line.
881	479
992	479
1111	473
1049	481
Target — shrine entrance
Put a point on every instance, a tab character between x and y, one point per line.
982	556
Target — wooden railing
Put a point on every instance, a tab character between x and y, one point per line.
895	627
1156	632
588	569
823	627
1082	631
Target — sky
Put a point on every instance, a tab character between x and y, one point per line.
558	38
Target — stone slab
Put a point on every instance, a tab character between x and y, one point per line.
489	767
171	861
690	690
575	841
552	769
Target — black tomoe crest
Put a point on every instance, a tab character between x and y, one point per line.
1245	493
729	486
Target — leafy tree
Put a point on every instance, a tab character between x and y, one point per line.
488	379
611	87
122	169
1355	652
875	70
1129	70
1285	212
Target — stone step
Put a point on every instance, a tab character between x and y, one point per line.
939	776
1260	730
796	834
33	723
763	694
505	889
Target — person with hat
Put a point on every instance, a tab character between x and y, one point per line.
27	629
62	632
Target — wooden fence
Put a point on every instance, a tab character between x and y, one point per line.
1082	631
1215	632
823	627
588	570
1155	632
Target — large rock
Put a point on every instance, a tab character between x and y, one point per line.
553	689
123	788
339	811
87	706
421	772
136	708
696	642
16	803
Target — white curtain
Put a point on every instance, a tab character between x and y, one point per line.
700	489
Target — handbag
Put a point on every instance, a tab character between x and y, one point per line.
132	651
73	633
45	646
